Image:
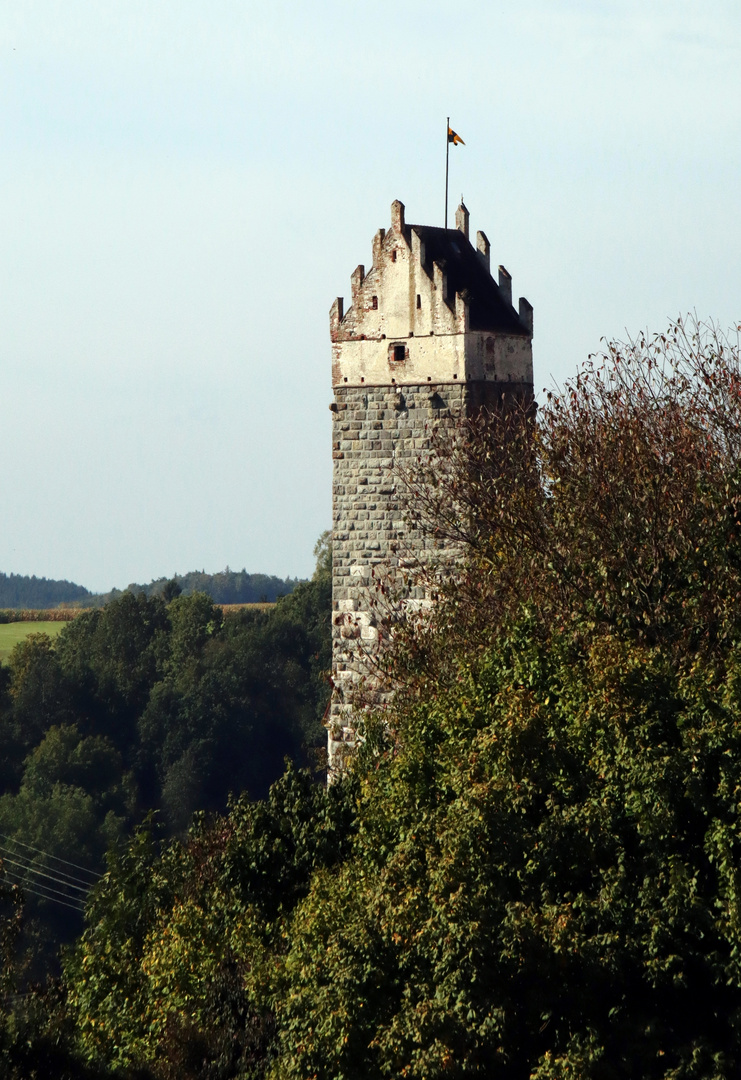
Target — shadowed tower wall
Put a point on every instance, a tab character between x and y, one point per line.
429	337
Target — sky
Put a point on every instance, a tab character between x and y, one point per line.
185	186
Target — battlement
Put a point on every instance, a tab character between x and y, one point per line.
428	284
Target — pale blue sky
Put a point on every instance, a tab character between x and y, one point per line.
186	186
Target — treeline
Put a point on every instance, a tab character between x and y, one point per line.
148	705
18	591
226	587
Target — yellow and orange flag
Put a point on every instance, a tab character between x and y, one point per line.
454	137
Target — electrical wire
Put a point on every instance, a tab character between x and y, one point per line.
40	873
27	888
25	877
56	858
60	875
47	891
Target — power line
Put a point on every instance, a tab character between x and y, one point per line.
40	873
42	884
46	890
27	888
59	875
56	858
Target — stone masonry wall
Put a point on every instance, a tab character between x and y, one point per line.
377	428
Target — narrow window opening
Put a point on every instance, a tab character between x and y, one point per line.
375	303
419	302
393	255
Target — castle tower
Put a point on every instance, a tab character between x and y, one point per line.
429	335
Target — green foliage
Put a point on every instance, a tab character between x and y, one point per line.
545	878
323	556
116	654
147	704
39	694
532	868
226	587
35	1034
20	591
150	702
253	681
173	971
73	801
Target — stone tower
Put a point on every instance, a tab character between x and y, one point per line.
430	334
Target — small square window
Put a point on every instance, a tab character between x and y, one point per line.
399	353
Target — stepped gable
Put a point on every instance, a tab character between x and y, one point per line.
429	310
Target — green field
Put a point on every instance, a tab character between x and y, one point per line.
11	633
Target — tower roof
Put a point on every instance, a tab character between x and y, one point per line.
489	309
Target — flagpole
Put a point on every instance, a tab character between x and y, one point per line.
447	156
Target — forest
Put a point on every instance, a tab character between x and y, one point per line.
147	706
226	587
21	591
531	866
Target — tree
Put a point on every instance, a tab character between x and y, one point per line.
618	511
323	556
73	802
38	691
171	590
114	656
172	971
531	870
146	704
545	877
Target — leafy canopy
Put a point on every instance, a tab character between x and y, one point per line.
533	865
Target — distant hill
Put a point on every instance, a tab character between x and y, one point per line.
20	591
226	587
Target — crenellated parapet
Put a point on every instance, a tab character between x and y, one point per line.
429	310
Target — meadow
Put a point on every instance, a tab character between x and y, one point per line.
16	625
12	633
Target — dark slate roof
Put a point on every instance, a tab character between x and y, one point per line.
488	310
